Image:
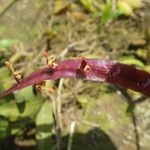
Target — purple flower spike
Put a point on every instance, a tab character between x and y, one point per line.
90	69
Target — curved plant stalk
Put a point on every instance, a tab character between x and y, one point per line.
108	71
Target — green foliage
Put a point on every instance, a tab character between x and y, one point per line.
108	13
13	116
10	110
7	43
131	60
124	8
4	74
25	94
111	9
127	7
44	121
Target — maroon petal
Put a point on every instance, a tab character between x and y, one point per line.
100	70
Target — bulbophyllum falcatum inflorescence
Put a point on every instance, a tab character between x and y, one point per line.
109	71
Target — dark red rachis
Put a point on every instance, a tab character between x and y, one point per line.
90	69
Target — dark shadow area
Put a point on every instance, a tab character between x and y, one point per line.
7	144
21	106
95	139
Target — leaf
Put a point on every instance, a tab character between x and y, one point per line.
44	121
125	8
130	60
142	53
24	95
137	4
10	110
108	14
7	43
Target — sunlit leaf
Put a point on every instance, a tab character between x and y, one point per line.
25	95
6	43
10	110
125	8
44	121
108	14
135	3
130	60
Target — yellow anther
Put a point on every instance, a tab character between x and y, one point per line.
50	61
17	75
42	86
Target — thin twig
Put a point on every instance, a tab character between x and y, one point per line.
135	131
131	103
57	114
65	51
8	7
113	5
56	127
72	128
58	102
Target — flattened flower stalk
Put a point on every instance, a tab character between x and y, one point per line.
108	71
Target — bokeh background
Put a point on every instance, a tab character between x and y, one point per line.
80	115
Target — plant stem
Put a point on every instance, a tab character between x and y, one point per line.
72	128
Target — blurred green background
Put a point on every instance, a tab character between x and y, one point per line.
80	115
